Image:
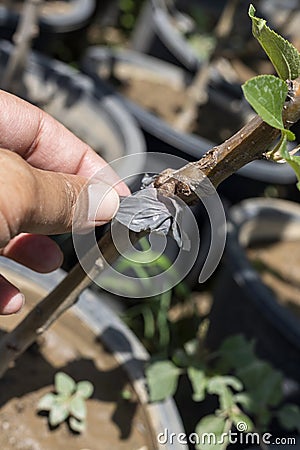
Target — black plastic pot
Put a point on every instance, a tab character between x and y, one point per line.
157	31
56	29
156	35
242	302
249	181
90	112
94	311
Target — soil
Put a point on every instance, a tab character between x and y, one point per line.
278	264
71	347
50	7
166	99
56	7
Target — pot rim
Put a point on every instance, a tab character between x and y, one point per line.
243	272
74	19
68	79
192	144
162	415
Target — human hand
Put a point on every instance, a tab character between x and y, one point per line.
43	168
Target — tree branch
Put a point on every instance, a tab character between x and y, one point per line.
219	163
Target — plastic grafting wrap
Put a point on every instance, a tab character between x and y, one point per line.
147	210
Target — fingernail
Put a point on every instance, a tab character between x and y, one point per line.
14	305
103	202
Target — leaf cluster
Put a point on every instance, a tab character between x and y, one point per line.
267	93
249	390
67	403
149	319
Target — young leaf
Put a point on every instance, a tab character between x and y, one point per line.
198	380
263	384
64	384
239	418
191	347
219	385
292	160
46	402
210	430
236	351
283	55
289	417
126	394
58	414
78	407
77	425
266	94
243	399
162	378
180	358
84	389
217	382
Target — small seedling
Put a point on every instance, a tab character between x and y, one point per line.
126	394
249	390
67	403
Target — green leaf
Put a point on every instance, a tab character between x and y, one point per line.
292	160
77	407
191	347
64	384
236	352
263	384
266	94
58	414
210	430
149	322
162	378
242	422
84	389
219	385
243	399
263	418
283	55
77	425
218	381
46	402
180	358
126	394
289	417
198	380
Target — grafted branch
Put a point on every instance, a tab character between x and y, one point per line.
217	164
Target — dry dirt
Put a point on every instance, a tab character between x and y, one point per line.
69	346
278	264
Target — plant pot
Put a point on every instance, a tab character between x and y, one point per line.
155	34
158	30
70	97
92	113
244	302
224	103
88	342
61	25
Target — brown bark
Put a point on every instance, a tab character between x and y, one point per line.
219	163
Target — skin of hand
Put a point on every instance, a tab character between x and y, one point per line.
43	168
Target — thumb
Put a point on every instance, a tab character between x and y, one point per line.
65	200
38	201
